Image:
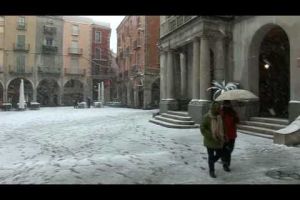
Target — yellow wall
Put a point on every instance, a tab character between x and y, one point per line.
84	42
10	36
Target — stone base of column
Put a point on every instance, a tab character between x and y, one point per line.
197	109
167	104
246	109
294	110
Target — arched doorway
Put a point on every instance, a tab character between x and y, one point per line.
48	92
73	90
155	93
13	91
274	74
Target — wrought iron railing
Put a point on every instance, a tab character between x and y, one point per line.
174	22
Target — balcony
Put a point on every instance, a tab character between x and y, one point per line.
174	22
49	29
21	47
152	70
137	44
49	48
48	70
77	51
21	26
20	70
74	71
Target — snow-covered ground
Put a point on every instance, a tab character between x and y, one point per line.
119	146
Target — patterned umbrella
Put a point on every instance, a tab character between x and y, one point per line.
237	94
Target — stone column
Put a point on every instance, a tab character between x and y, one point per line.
135	96
196	80
169	103
170	75
219	71
4	94
204	69
163	74
128	94
183	75
34	94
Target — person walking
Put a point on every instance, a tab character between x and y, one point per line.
213	133
230	119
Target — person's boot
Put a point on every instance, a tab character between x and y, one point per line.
212	174
226	168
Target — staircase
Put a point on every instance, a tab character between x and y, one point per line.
174	119
261	126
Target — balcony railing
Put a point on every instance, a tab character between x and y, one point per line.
20	70
173	23
152	70
21	47
74	71
49	70
137	44
49	48
77	51
21	26
49	29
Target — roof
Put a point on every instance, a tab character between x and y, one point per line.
78	19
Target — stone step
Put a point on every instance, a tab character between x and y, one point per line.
174	121
263	125
180	113
182	118
256	129
169	125
255	134
270	120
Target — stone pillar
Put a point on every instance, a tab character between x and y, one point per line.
219	71
4	94
128	94
198	108
196	80
170	75
102	92
135	96
99	92
183	74
34	94
163	74
169	103
194	107
60	95
204	69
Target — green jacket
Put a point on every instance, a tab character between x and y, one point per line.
205	129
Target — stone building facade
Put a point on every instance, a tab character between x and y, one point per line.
138	59
53	54
101	59
258	52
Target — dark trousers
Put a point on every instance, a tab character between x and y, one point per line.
213	156
227	150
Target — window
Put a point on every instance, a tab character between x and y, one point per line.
75	30
20	63
74	44
74	62
97	53
97	36
21	21
21	41
49	41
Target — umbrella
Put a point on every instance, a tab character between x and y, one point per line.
237	94
21	96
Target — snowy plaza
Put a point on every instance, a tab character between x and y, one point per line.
63	145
